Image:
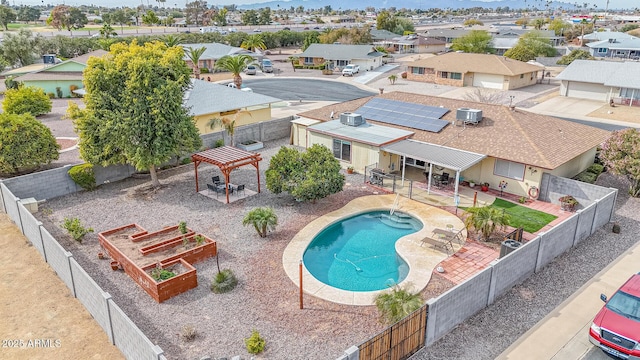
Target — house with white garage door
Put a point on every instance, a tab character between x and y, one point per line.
479	70
602	81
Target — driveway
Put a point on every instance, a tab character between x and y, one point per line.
304	89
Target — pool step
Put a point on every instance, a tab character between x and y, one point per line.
400	222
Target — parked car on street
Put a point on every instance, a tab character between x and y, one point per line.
350	69
267	66
243	88
251	70
616	328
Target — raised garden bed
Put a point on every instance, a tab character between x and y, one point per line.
250	145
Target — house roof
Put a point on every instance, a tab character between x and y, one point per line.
45	73
513	135
83	59
382	34
207	98
608	73
215	51
617	44
371	134
504	42
447	33
476	63
417	40
439	155
606	35
340	52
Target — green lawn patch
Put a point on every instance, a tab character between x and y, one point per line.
529	219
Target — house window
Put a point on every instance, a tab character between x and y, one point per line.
342	62
417	70
602	50
308	60
444	74
230	112
456	76
509	169
521	76
342	149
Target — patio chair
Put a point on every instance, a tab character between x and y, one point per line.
444	179
240	188
216	180
211	188
221	189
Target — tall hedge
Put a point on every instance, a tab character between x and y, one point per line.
25	143
26	99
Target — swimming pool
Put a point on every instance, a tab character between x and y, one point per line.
358	253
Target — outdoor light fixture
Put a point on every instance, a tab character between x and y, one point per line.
532	170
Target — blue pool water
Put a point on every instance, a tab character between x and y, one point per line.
358	253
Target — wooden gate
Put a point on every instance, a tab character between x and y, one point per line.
399	341
515	235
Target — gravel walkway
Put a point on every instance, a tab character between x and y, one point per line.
266	299
488	333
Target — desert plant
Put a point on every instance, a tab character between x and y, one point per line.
522	199
224	281
486	219
262	219
182	227
397	303
392	78
84	176
255	343
75	228
188	333
199	240
160	274
568	202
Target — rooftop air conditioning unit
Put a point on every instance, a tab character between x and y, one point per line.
469	116
351	119
49	59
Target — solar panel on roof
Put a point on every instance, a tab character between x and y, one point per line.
416	116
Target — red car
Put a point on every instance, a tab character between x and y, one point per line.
616	328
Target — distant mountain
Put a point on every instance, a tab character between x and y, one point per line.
409	4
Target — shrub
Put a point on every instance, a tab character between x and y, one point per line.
59	92
9	83
199	240
204	70
396	304
596	169
218	143
224	281
262	219
84	176
75	228
255	343
575	55
185	161
182	226
51	95
160	274
26	99
188	333
25	143
587	177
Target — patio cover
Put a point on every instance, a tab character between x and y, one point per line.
450	158
227	158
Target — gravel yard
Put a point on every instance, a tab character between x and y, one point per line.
265	299
492	330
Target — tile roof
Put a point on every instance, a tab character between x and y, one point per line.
215	51
207	98
82	59
513	135
476	63
608	73
340	52
49	76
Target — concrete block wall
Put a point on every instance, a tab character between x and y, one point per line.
11	205
556	241
585	223
128	338
31	229
553	187
457	305
112	173
92	297
44	184
2	208
604	210
58	258
513	269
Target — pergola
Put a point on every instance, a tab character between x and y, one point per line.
227	158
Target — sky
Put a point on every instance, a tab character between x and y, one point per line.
613	4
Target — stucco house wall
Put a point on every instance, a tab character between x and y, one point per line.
242	118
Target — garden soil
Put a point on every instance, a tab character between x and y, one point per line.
39	311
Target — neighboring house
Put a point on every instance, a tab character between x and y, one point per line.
503	44
500	145
413	43
66	75
602	81
480	70
341	55
606	35
207	100
215	51
381	35
619	48
446	35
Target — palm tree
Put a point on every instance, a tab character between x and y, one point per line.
107	31
253	42
194	55
172	40
486	219
396	304
229	125
234	64
262	219
583	23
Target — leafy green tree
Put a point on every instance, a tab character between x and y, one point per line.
310	37
195	11
7	15
26	99
558	26
150	18
194	55
68	17
25	143
476	41
235	64
28	13
385	21
134	111
395	304
529	46
263	219
220	17
121	18
18	48
253	42
629	27
264	17
308	176
538	23
403	26
486	220
107	31
250	17
575	55
471	22
620	154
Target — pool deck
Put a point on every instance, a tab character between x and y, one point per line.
421	257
